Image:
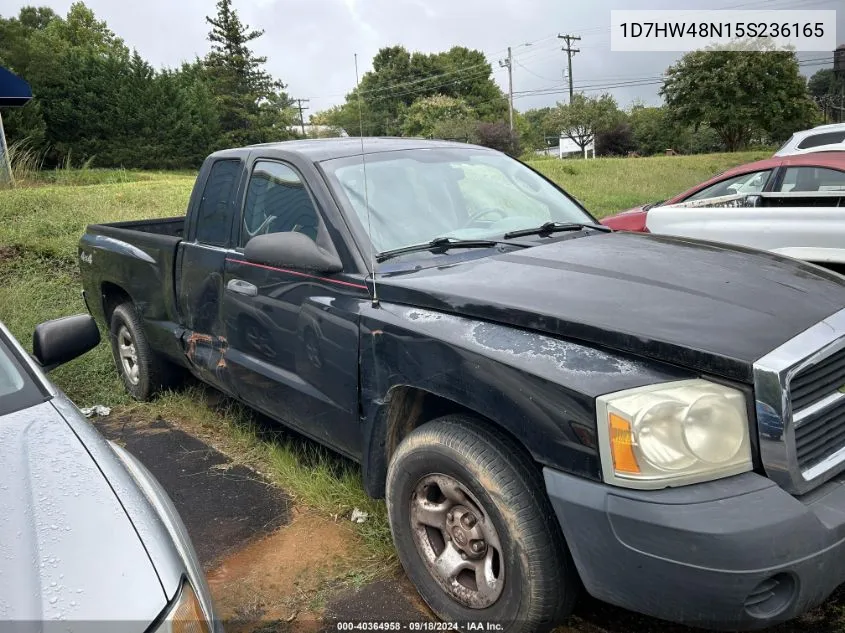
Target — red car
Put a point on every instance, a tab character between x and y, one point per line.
780	173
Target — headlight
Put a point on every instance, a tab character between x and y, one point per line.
185	615
673	434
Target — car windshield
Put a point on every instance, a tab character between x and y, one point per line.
17	390
414	196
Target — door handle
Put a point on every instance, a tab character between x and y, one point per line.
242	287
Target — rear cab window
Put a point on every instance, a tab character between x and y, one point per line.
216	207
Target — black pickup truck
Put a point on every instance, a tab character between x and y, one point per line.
544	403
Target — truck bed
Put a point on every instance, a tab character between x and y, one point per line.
174	227
139	257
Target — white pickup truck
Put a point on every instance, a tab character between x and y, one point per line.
804	225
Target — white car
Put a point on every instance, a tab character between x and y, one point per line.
792	205
823	138
803	225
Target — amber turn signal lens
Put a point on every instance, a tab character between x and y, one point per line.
188	616
622	445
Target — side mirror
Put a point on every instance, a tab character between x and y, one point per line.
291	250
753	200
56	342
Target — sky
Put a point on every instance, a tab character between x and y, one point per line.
311	44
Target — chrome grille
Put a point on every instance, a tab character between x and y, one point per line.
800	409
821	435
818	409
817	382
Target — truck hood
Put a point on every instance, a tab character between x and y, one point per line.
69	550
706	306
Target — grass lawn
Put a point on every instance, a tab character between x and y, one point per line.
40	226
609	185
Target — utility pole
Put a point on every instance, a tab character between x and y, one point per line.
569	53
301	118
508	63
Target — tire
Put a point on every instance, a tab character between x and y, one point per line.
531	580
143	371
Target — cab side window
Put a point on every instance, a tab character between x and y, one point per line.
214	215
752	182
813	179
277	202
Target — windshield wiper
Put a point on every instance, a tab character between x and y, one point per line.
438	243
554	227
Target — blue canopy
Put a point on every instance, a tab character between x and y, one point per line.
14	91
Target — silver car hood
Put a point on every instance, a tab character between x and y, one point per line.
68	550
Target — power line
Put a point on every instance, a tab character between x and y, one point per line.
486	64
538	52
531	72
645	81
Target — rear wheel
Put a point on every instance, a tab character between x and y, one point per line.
143	371
476	552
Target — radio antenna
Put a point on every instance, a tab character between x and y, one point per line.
366	186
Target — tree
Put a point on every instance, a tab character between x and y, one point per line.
466	74
615	141
704	140
424	115
457	129
542	130
75	66
740	94
339	117
81	29
828	90
584	117
654	130
399	78
97	101
497	135
824	82
15	34
253	107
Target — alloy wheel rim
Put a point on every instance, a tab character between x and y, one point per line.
457	540
128	355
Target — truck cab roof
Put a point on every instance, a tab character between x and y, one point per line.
317	150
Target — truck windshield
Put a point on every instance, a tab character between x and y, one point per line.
414	196
17	390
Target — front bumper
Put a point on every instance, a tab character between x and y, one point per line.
737	553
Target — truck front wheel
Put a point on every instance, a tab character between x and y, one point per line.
143	372
474	529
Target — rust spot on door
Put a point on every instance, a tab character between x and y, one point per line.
206	350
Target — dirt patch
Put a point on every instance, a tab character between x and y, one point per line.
271	567
224	505
278	582
9	253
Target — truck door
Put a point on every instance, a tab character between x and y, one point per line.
292	335
200	263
